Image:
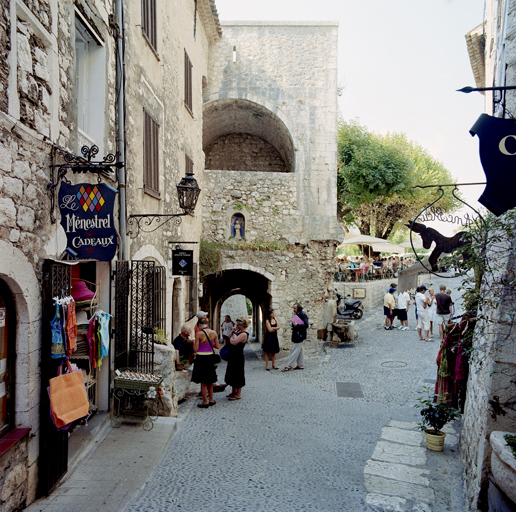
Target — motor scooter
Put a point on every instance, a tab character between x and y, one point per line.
349	309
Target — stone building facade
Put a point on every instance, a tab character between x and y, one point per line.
492	53
269	184
40	106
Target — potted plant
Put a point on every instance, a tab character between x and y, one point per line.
435	414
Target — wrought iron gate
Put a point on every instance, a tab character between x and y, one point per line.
53	447
140	309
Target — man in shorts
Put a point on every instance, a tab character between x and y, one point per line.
444	308
403	307
388	308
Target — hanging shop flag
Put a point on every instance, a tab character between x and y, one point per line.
182	263
497	139
87	218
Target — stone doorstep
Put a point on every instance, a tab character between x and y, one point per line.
380	485
398	472
395	504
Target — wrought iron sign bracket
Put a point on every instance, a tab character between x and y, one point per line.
150	222
78	165
430	235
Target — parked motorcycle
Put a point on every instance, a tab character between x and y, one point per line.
351	309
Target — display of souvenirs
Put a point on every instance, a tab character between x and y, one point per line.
138	376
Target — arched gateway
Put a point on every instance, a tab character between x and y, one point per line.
240	279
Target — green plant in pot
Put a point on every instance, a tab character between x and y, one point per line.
436	414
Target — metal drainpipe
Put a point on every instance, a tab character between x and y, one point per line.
120	87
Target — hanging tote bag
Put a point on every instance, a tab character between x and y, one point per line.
68	398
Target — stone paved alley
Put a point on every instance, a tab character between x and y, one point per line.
293	444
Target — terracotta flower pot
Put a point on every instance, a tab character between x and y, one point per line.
435	440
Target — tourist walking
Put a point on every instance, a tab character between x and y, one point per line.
389	304
432	310
235	371
226	328
423	321
403	307
270	343
299	327
444	309
204	370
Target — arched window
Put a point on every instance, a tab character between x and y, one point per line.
7	350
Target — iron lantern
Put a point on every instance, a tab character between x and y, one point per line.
188	193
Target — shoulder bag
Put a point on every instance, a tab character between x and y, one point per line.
216	356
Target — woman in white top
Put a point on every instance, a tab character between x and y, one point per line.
432	310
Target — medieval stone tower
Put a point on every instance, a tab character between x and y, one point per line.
270	178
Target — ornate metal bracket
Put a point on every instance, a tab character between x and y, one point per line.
77	164
429	207
150	222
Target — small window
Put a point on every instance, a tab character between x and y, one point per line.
150	154
188	165
188	83
149	26
7	358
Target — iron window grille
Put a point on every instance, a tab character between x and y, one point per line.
149	23
188	83
150	153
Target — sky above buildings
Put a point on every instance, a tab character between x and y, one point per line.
400	63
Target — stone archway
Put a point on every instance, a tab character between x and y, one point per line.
254	283
244	135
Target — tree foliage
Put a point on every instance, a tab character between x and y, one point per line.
375	179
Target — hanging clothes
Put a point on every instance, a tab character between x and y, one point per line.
71	326
58	349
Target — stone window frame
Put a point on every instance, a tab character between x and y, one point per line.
150	154
20	11
150	23
188	100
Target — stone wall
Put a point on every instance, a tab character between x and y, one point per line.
494	363
243	152
278	81
235	307
302	273
14	469
267	202
37	110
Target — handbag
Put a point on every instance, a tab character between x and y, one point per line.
68	398
216	356
225	352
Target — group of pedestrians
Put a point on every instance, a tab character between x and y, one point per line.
431	310
204	351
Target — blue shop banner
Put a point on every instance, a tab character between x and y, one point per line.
87	218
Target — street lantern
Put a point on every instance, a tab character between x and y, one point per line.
188	193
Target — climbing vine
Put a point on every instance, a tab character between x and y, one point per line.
488	265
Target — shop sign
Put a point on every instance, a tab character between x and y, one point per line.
87	218
498	156
182	262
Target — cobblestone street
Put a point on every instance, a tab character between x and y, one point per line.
339	436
